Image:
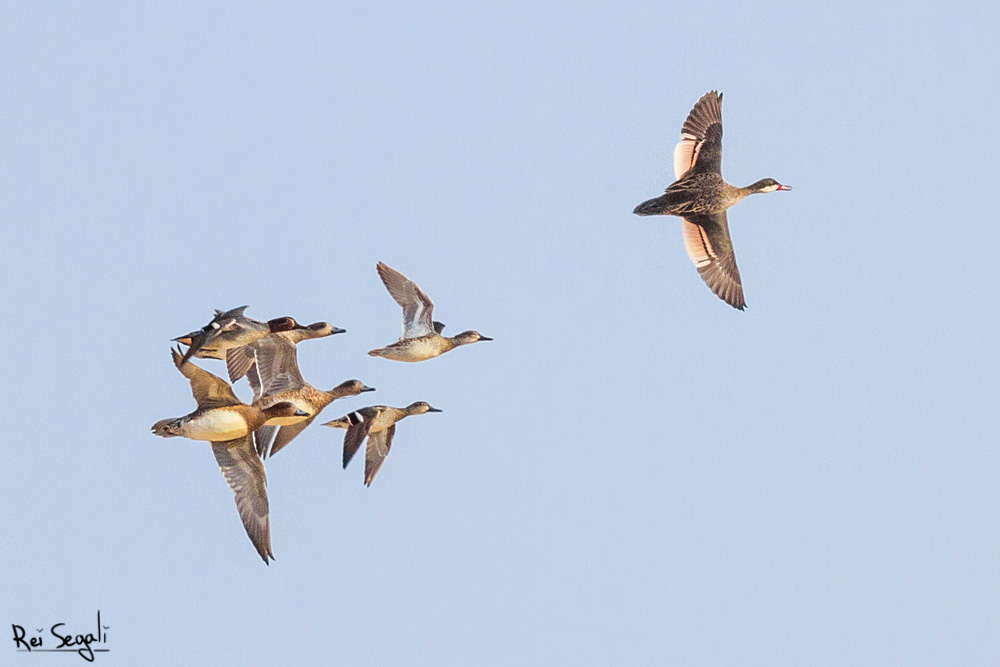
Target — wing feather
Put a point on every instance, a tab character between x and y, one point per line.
376	451
708	244
417	306
245	475
701	137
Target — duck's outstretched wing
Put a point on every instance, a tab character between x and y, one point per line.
238	361
360	423
288	433
417	306
209	390
700	147
244	472
708	244
277	364
377	449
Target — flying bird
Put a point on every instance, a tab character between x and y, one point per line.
228	423
422	337
228	331
275	378
700	198
378	424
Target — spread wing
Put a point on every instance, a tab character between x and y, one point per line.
244	472
356	432
287	433
700	146
378	448
708	244
417	306
209	390
262	439
238	361
277	365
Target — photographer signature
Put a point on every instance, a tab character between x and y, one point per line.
67	641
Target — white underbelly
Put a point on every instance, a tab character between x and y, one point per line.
216	425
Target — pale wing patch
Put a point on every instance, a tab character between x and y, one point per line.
710	248
686	154
696	243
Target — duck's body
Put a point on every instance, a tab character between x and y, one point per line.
425	347
230	330
212	424
239	361
227	423
422	337
701	197
275	378
378	424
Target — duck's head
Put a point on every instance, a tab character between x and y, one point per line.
321	329
283	324
351	388
467	337
768	185
284	409
420	407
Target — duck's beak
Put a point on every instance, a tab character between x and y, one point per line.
367	388
429	409
784	187
481	337
337	330
183	340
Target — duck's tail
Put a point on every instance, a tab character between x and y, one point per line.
343	422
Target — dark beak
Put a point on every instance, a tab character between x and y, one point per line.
337	330
367	388
434	410
481	337
183	340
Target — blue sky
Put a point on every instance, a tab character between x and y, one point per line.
632	472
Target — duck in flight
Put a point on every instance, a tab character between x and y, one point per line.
700	198
378	424
422	337
228	423
230	330
275	378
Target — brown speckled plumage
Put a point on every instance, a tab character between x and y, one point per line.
701	197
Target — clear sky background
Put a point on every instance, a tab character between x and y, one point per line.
633	472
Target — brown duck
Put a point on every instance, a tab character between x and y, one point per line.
700	198
227	423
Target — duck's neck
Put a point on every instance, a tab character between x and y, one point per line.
753	188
